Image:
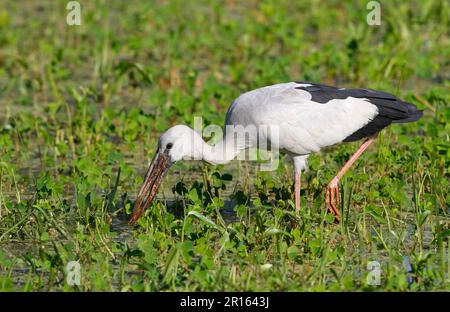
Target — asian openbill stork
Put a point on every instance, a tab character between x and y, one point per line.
309	116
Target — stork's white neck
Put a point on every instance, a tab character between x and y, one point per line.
222	152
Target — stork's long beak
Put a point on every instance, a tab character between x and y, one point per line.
155	172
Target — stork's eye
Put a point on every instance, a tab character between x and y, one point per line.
169	145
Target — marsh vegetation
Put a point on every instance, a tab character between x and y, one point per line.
81	108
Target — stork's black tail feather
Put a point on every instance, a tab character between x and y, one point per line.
390	108
412	113
396	110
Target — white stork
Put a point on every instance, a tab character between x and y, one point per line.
309	116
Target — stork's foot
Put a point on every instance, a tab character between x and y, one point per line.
333	199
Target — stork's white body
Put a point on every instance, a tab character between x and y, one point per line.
304	126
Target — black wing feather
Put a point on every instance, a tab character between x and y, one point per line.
390	108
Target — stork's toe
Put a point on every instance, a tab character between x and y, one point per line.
332	199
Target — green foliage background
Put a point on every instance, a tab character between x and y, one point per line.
81	108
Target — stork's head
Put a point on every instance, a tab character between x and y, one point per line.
173	145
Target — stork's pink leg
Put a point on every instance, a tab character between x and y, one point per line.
297	194
332	197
